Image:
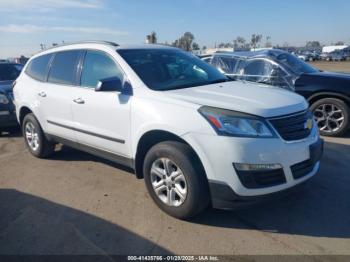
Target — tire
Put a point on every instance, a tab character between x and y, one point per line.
322	110
38	145
181	160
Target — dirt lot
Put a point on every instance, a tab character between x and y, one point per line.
75	203
333	66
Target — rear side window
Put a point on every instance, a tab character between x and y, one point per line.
37	68
64	67
97	66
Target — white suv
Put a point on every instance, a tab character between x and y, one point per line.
196	137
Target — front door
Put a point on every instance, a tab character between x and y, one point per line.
101	119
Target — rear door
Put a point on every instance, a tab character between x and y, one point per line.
102	119
57	94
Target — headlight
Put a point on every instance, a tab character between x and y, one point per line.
231	123
3	99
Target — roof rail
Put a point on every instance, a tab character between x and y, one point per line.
83	42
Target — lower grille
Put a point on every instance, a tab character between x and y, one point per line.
302	169
294	127
260	179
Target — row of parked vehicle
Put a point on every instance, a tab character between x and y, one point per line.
337	55
219	134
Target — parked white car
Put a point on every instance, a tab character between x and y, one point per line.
196	137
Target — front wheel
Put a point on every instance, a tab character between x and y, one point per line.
332	116
176	180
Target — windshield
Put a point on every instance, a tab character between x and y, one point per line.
295	64
167	69
10	71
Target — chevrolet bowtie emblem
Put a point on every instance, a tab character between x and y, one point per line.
308	124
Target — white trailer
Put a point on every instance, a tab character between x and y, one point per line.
332	48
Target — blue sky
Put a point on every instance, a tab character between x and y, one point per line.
24	24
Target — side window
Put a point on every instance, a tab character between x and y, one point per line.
37	68
64	67
207	59
226	64
258	68
97	66
215	61
265	72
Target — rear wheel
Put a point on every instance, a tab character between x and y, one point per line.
176	180
35	139
332	116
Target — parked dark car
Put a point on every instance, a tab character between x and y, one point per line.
328	93
8	74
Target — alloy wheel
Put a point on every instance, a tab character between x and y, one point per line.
32	136
329	118
168	182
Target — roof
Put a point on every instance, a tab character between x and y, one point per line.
85	44
145	46
112	44
250	54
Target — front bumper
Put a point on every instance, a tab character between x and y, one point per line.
8	116
223	197
218	155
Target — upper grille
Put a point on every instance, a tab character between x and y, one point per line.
293	127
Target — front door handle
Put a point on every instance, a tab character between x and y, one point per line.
42	94
79	100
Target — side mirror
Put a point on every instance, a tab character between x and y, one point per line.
109	85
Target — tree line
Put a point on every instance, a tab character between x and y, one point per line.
186	42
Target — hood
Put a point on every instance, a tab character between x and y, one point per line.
243	97
326	74
5	86
327	81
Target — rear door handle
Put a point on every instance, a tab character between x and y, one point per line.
79	100
42	94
